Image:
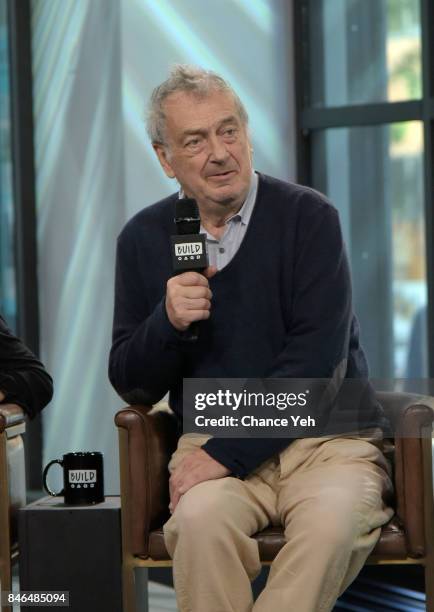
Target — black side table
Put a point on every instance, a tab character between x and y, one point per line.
75	549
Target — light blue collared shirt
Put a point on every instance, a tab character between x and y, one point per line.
220	252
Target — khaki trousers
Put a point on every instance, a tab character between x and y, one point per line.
332	497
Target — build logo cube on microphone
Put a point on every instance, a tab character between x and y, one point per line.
188	246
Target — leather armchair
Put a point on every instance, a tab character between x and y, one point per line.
12	487
147	438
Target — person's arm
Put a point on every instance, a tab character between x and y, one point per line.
149	346
23	378
317	342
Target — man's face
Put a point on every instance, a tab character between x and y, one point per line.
207	148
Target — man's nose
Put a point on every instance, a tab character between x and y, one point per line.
218	150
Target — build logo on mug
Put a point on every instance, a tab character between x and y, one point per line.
83	478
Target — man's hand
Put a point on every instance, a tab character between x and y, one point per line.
2	396
197	467
188	298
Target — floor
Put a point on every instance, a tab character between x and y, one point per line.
161	597
376	590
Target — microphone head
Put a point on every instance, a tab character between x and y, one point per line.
187	218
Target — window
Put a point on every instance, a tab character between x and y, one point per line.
364	51
365	116
7	261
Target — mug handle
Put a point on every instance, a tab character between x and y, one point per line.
44	478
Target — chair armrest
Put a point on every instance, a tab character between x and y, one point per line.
412	418
146	443
12	475
11	415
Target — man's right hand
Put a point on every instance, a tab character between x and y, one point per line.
188	298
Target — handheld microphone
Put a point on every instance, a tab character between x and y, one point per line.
188	246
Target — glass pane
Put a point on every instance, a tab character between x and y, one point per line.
364	51
374	176
7	263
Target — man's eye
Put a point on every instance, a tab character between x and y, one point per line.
192	143
230	132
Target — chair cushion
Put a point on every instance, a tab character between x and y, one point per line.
391	544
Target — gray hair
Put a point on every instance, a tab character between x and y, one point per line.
196	81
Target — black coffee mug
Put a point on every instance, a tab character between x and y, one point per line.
83	478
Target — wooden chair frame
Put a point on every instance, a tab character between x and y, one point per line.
415	417
12	426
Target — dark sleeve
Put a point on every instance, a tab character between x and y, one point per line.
319	335
317	342
23	378
146	354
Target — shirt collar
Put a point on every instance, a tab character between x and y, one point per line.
246	209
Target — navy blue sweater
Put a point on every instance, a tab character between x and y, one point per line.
23	378
280	308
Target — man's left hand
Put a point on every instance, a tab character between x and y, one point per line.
197	467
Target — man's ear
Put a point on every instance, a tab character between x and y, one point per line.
163	158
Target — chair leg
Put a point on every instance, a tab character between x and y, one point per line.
5	580
134	588
128	592
141	589
429	585
5	542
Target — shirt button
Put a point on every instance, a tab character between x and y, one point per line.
221	250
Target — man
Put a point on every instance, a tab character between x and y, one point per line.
23	378
275	302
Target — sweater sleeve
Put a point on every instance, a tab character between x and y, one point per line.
146	354
23	378
319	334
317	341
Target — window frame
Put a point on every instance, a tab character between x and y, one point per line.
310	119
24	193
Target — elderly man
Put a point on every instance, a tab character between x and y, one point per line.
23	378
275	302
